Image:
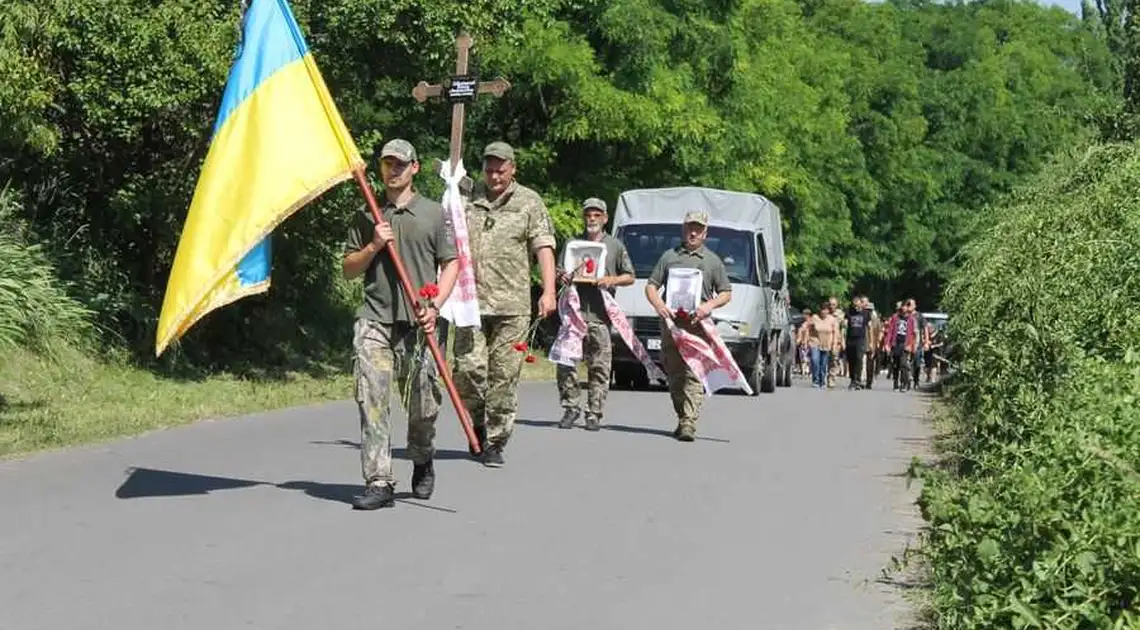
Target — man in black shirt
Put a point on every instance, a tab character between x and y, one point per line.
858	320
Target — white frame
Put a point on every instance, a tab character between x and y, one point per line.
683	289
575	252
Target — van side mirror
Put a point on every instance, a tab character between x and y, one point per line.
777	280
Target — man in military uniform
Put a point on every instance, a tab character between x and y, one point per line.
597	348
386	338
507	223
685	389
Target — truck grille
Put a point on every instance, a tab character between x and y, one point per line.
646	326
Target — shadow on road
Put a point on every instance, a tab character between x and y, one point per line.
343	493
151	482
397	453
622	428
536	423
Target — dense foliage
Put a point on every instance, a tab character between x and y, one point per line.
36	312
1035	522
879	128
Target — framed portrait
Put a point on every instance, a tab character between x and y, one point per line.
683	289
585	261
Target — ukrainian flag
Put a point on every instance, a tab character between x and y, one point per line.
278	143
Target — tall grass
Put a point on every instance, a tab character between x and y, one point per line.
1034	521
36	311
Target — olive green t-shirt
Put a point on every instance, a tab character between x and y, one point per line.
424	239
714	277
593	308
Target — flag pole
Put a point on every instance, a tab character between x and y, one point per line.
433	344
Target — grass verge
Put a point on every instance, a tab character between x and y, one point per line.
74	399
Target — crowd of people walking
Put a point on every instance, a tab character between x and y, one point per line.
859	343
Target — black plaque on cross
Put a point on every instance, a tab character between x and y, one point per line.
459	90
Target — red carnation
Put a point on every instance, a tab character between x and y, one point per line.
589	265
429	291
520	346
530	358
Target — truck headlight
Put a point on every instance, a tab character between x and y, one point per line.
731	329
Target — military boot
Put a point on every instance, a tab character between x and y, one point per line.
592	422
423	480
375	497
493	456
685	432
569	417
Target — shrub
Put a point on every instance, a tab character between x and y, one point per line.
35	310
1034	523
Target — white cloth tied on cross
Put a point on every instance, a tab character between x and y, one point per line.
462	306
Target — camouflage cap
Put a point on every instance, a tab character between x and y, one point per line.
697	217
400	149
594	202
501	150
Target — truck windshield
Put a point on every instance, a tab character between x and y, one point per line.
647	241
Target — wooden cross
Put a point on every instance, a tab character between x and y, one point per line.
460	90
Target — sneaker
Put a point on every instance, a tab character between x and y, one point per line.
569	417
423	480
375	497
493	456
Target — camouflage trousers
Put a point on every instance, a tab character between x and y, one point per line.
487	368
384	351
685	389
597	350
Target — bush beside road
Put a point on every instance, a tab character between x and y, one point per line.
1032	509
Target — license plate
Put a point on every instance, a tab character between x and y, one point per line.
653	344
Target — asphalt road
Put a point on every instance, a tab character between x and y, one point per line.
779	516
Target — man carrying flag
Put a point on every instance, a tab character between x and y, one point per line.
694	353
386	339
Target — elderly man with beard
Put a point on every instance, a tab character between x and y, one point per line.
597	347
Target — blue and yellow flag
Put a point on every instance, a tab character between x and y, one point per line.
278	143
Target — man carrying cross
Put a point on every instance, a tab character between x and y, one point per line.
508	223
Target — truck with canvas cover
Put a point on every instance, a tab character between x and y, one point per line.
745	231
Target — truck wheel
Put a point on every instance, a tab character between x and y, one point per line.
768	379
786	378
752	377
